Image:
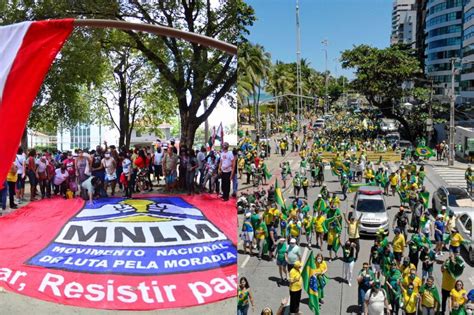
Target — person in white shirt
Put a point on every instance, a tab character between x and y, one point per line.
376	300
226	170
201	159
157	165
60	180
20	183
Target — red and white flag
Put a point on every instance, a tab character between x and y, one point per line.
27	51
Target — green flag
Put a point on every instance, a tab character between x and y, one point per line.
336	244
279	198
433	290
310	283
267	174
425	196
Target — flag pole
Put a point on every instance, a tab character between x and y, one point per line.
159	30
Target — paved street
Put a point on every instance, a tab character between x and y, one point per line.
340	298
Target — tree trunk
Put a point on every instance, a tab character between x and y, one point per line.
188	130
123	112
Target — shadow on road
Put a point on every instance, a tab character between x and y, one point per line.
354	309
278	281
338	279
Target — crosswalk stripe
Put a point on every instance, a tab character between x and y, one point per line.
452	177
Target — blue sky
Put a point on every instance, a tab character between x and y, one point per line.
343	23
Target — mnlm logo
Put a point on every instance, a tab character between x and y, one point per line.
159	235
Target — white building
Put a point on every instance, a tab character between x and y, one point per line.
36	138
146	138
403	23
85	136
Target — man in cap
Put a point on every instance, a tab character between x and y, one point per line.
293	253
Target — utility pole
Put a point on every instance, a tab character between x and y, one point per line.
430	114
451	115
298	65
326	105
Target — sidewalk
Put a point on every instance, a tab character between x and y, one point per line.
457	164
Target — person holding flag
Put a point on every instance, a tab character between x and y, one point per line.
310	282
279	198
458	299
320	272
429	296
365	280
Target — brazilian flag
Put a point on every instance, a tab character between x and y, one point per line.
424	151
355	187
310	283
403	196
456	267
279	198
267	174
425	196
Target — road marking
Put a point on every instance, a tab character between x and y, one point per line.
245	262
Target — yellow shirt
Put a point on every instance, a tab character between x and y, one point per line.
399	243
295	274
394	180
427	299
458	296
456	240
447	282
353	229
416	283
12	176
406	271
409	301
322	267
294	230
318	222
241	163
269	215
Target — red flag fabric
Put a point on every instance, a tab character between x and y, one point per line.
146	253
27	51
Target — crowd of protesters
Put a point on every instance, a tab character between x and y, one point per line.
397	276
110	171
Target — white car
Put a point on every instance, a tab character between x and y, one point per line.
370	202
464	226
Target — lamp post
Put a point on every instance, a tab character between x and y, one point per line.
451	114
326	106
298	65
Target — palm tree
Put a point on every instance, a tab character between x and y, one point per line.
253	66
281	81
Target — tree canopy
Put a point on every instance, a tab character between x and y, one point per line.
383	76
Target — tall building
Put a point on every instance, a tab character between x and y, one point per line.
443	30
467	72
420	45
404	23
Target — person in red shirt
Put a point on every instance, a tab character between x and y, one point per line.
142	163
31	173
